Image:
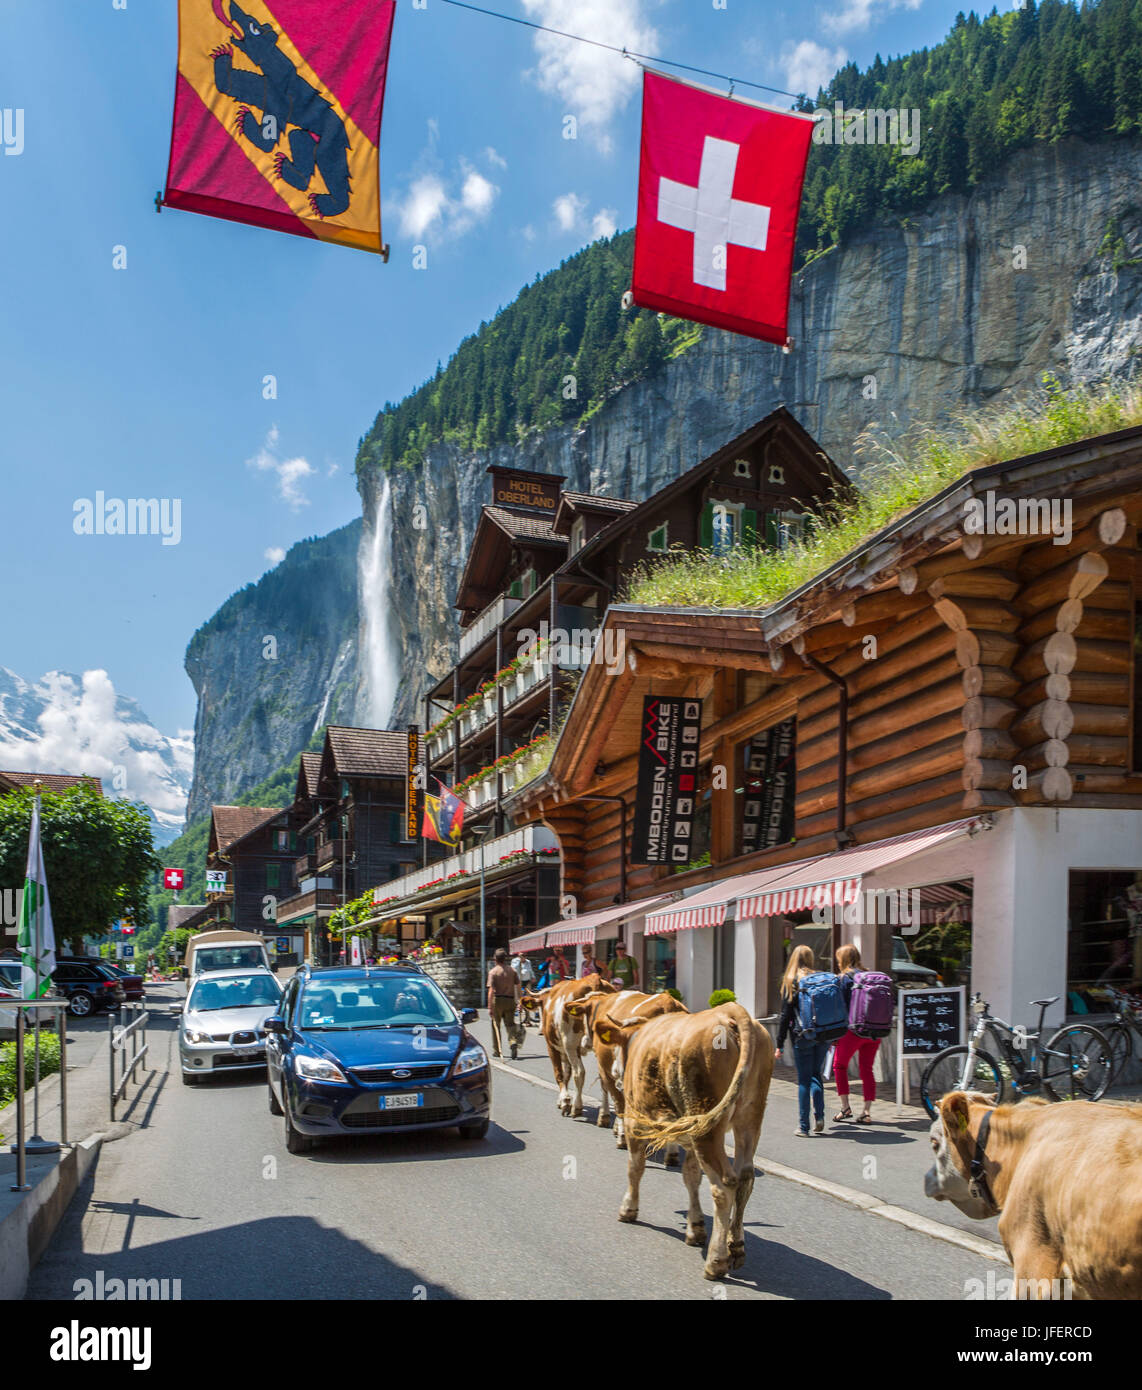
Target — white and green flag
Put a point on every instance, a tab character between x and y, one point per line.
37	940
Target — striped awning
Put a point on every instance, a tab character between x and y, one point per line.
827	880
835	879
708	907
579	931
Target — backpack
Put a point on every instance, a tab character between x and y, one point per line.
871	1004
821	1012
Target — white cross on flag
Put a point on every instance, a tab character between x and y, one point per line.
718	194
172	878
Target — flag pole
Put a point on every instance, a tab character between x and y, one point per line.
37	1144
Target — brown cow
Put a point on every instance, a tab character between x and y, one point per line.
1065	1181
599	1010
567	1036
687	1079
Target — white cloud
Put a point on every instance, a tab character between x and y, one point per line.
274	554
290	473
808	66
528	233
430	208
605	222
568	208
494	158
854	16
593	84
82	726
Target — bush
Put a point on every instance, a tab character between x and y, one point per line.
674	994
49	1063
722	996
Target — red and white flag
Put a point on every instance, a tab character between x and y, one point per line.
718	193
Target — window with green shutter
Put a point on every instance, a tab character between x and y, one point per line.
749	527
395	827
273	875
657	539
516	589
706	527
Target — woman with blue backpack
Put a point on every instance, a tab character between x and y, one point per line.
871	998
815	1011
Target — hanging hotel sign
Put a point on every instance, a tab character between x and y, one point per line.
216	880
667	780
517	487
770	787
411	800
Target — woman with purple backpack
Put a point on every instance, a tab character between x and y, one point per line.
870	1018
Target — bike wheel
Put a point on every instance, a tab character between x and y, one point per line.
1121	1039
950	1071
1077	1064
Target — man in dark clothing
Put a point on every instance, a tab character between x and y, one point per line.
503	992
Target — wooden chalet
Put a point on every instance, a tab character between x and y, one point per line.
947	711
252	846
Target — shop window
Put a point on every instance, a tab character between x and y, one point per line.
766	788
658	540
1104	934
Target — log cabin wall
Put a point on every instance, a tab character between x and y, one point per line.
985	676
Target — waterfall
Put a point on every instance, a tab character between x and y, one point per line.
381	664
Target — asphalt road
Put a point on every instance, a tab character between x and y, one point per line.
207	1194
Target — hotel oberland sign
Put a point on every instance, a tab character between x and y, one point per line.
667	780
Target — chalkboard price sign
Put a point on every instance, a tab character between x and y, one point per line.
930	1020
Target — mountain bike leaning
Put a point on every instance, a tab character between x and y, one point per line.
1075	1063
1124	1030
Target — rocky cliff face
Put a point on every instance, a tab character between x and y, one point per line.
277	660
976	296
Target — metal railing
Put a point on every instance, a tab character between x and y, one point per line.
126	1037
20	1148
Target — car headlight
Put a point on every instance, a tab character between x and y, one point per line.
318	1069
470	1059
194	1036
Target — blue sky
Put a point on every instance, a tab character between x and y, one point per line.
147	381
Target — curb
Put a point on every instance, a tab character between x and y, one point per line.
30	1225
875	1206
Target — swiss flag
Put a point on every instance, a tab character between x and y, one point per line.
172	878
718	193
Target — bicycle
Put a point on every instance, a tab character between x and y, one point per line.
1121	1030
1074	1064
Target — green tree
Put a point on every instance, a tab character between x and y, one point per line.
98	857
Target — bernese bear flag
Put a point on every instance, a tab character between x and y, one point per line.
719	189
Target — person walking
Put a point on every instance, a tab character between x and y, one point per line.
813	1010
624	969
503	992
869	997
557	966
592	965
526	973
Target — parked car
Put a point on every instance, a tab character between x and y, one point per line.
365	1050
132	983
87	984
222	1024
906	972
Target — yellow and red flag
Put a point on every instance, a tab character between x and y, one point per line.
277	115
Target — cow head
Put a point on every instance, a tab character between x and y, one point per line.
953	1137
582	1012
616	1034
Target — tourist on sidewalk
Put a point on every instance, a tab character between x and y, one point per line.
592	965
870	997
624	970
503	994
812	1010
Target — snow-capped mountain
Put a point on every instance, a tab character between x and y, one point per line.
82	725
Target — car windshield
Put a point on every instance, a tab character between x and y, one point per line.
243	992
227	958
374	1003
900	949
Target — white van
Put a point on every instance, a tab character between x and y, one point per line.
226	950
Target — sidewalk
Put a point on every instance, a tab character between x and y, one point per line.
879	1166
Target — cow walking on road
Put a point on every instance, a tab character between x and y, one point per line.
689	1079
567	1036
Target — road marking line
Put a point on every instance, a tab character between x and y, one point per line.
863	1201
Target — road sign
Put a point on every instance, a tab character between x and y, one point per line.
173	879
216	880
128	950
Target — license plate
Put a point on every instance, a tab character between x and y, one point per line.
406	1102
245	1052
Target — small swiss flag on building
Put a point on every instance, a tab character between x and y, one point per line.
719	189
172	878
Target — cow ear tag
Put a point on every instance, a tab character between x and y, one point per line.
606	1037
963	1119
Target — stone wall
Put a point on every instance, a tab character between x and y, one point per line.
459	978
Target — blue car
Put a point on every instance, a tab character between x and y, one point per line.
363	1050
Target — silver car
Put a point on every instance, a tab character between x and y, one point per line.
221	1025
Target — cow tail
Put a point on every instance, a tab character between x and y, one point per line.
687	1128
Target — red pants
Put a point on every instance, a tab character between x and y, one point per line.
865	1050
